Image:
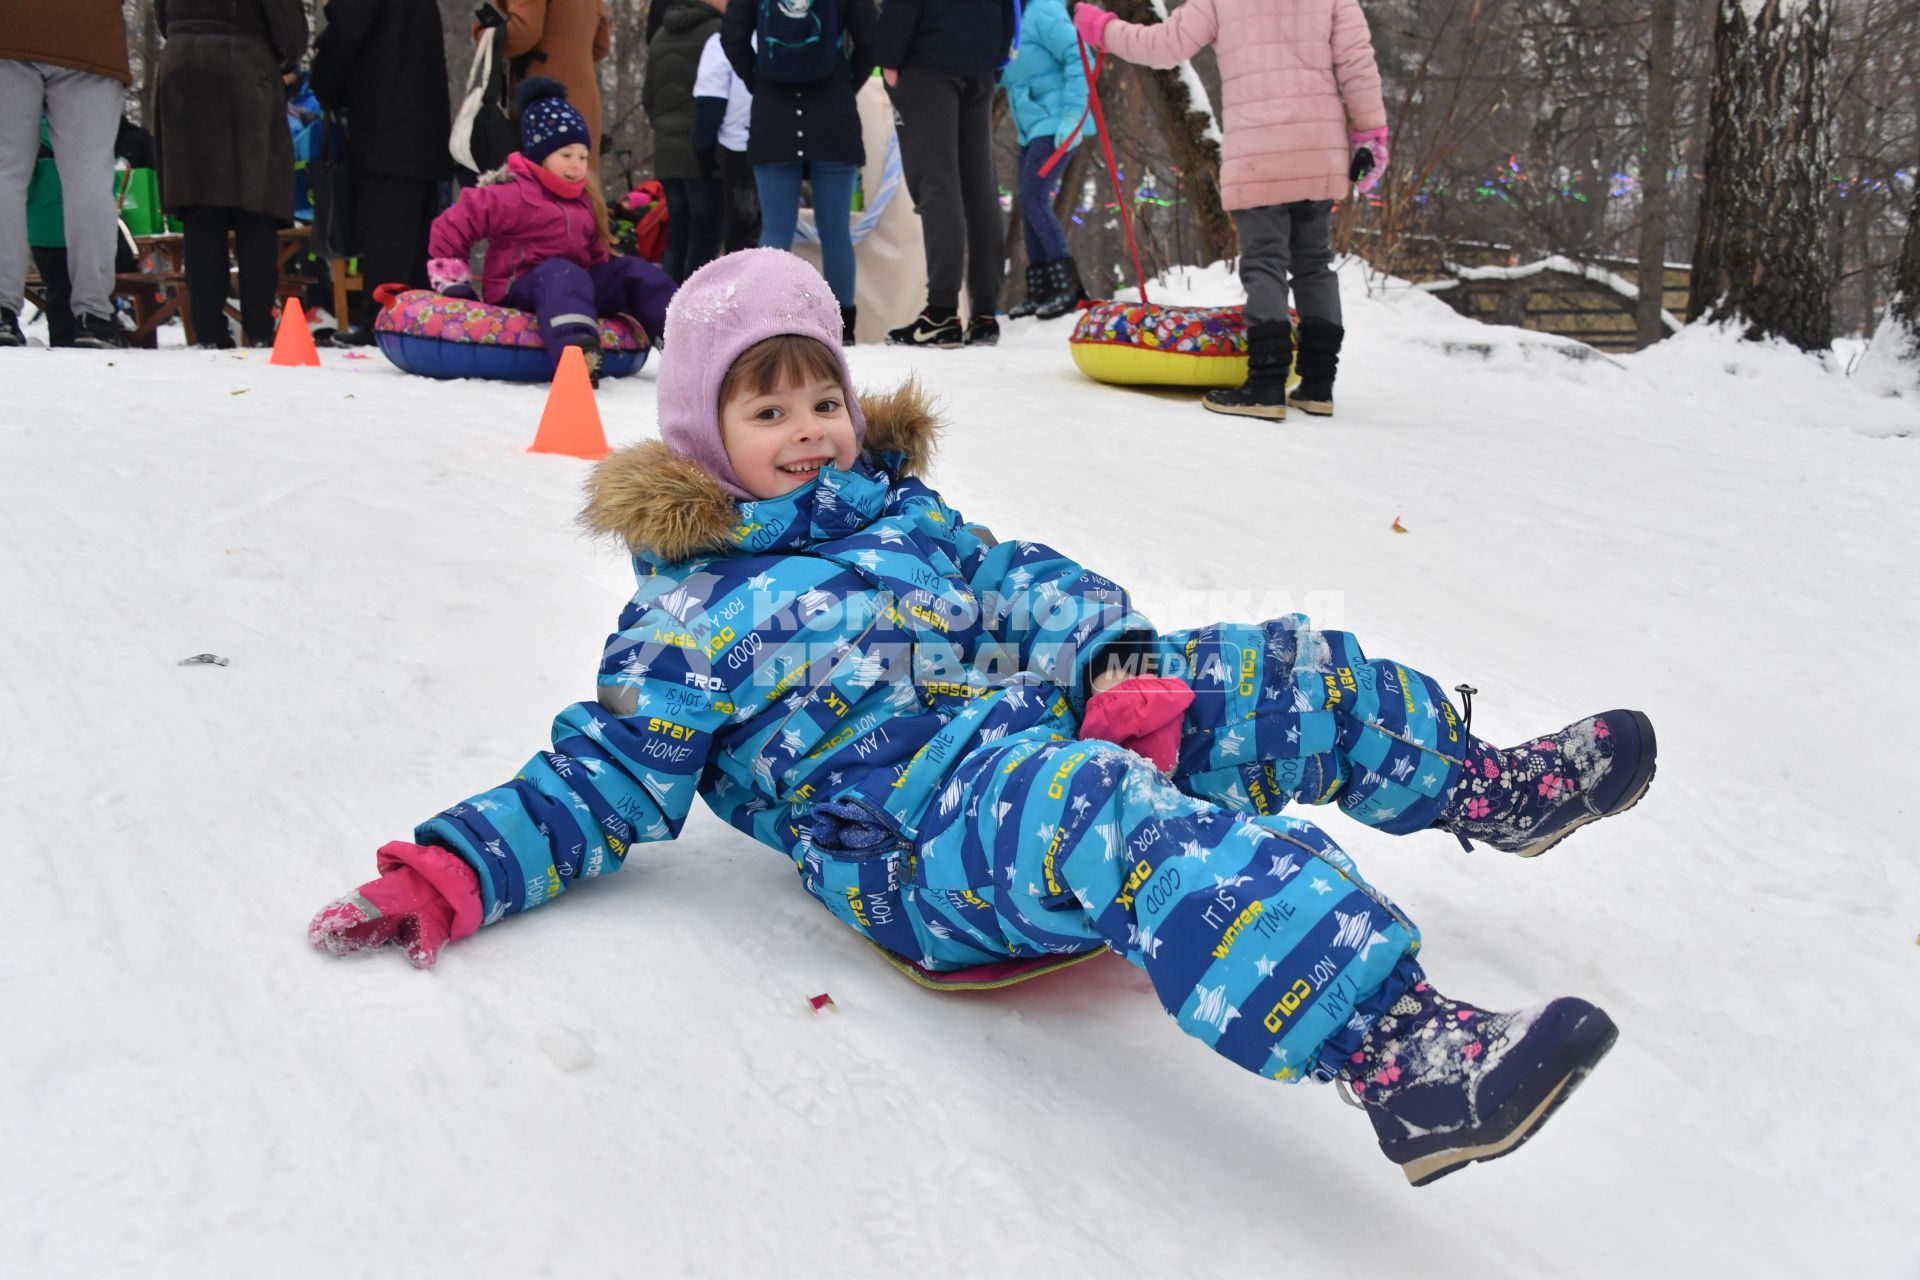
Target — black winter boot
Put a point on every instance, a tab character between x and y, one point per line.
1037	278
1264	393
849	318
1446	1084
10	335
1065	292
1319	361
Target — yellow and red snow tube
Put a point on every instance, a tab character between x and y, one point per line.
1147	344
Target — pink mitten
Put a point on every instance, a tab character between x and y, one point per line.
1142	714
425	897
1091	22
1375	141
444	273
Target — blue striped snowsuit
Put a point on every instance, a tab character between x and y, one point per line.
882	692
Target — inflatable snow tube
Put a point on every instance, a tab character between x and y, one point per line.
1145	344
436	336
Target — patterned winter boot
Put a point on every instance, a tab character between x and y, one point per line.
1036	292
1446	1084
1527	799
1065	292
1264	393
1319	360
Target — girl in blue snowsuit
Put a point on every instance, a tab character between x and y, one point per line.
852	673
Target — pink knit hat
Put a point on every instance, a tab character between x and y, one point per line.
724	308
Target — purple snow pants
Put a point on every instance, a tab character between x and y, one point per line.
568	300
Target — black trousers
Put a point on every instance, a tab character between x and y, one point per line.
57	287
204	249
694	224
743	201
391	219
946	148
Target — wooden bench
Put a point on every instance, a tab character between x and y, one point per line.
160	294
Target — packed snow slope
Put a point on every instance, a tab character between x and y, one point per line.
630	1082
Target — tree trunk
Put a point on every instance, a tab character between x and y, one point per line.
1653	177
1185	126
1906	277
1761	254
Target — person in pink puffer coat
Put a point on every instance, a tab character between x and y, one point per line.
1304	118
546	247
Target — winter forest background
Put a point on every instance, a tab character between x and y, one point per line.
1521	129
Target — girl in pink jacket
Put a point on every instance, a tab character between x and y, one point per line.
1304	118
546	238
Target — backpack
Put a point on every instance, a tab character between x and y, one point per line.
799	40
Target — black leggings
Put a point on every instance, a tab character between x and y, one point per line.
694	225
255	238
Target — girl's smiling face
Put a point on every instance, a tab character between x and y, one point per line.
779	438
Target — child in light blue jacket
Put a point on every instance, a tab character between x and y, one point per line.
1047	90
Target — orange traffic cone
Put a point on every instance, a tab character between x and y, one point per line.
292	343
570	424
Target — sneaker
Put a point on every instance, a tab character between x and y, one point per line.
1264	393
1527	799
1446	1084
97	332
929	329
983	331
1037	289
10	335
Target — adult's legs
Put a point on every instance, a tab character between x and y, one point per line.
679	227
779	186
393	215
705	222
743	201
833	216
635	287
927	106
58	290
208	271
83	116
256	238
560	295
980	195
21	95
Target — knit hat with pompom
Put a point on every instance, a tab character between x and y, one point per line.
548	121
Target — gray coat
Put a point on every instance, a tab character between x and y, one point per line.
220	108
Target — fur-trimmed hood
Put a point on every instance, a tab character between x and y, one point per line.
670	510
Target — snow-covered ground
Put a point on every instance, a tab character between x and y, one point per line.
630	1082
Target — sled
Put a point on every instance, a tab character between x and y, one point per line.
985	977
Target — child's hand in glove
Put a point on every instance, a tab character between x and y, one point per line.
425	897
1091	22
444	273
1369	158
1142	714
